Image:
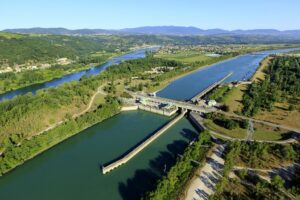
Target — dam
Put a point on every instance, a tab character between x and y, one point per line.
152	104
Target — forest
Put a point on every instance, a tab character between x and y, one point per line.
20	49
282	83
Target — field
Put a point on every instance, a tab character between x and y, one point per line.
264	132
234	97
281	115
189	56
235	133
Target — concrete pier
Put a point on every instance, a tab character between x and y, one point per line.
207	90
125	158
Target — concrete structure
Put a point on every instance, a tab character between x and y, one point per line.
211	103
165	112
129	108
176	103
125	158
211	87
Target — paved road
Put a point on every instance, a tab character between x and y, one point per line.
207	177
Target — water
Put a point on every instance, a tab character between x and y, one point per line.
71	169
75	76
243	67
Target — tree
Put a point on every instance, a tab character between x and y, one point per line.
277	182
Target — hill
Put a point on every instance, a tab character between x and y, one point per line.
157	30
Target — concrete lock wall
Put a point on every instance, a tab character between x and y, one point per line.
157	111
129	108
124	159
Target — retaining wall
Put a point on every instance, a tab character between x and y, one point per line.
124	159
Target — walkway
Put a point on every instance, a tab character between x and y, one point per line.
206	179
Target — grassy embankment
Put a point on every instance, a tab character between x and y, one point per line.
15	155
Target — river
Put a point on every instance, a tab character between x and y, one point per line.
71	170
76	76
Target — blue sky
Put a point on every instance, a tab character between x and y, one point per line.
114	14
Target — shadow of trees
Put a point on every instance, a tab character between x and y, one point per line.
145	179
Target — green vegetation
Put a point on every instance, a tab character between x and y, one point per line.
171	185
28	114
47	48
189	56
263	155
16	153
230	127
282	80
246	185
11	81
219	93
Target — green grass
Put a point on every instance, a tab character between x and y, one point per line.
264	132
234	97
236	133
185	56
219	93
267	135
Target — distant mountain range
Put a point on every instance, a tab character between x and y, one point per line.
156	30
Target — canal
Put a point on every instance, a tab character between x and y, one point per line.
71	170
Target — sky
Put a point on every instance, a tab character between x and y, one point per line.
116	14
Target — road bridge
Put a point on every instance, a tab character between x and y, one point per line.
179	104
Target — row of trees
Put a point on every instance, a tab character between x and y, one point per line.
282	80
170	186
227	123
